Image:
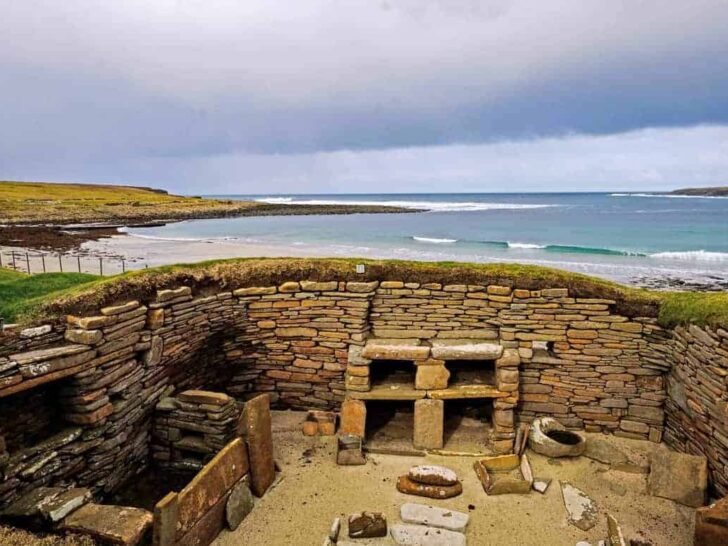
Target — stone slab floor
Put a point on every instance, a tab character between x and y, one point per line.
313	490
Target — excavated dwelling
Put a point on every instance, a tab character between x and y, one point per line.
156	373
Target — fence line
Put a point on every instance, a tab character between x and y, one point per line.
35	262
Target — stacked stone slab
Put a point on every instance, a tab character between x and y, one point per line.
296	341
581	361
191	427
429	386
697	407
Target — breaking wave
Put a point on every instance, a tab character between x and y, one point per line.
432	206
692	255
667	196
434	240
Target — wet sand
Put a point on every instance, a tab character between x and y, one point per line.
313	490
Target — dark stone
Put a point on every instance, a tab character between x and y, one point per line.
367	525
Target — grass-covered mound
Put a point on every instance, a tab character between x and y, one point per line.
20	292
86	293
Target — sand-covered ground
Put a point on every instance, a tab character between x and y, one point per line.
312	491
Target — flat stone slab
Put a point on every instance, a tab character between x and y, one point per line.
466	391
373	350
605	452
581	510
678	477
114	524
388	392
408	487
423	514
461	349
432	475
64	503
29	504
406	534
204	397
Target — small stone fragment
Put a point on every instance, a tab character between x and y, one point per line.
419	535
367	525
432	475
580	509
239	505
335	529
310	428
409	487
423	514
615	536
541	485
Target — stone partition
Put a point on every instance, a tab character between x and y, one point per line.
588	361
197	514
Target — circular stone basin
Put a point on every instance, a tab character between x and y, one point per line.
549	437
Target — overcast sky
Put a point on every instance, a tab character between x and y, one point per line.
306	96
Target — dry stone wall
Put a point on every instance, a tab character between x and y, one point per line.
581	361
697	406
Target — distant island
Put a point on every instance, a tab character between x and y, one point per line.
717	191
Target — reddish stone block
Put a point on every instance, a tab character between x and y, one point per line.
257	431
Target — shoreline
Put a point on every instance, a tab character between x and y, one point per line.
67	236
120	252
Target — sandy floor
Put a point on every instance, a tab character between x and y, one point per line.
313	490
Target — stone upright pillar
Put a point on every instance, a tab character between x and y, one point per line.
353	418
429	424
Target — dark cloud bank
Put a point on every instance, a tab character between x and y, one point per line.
358	95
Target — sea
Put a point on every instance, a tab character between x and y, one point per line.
637	238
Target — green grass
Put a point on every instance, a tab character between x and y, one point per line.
700	308
43	202
20	292
51	295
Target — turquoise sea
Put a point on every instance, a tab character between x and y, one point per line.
633	237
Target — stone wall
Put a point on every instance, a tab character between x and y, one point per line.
697	406
581	361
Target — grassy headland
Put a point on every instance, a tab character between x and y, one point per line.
32	213
43	297
27	203
715	191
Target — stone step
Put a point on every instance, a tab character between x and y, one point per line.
119	525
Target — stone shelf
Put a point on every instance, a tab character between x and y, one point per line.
390	390
467	391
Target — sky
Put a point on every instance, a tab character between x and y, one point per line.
356	96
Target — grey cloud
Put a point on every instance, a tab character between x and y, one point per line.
102	87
